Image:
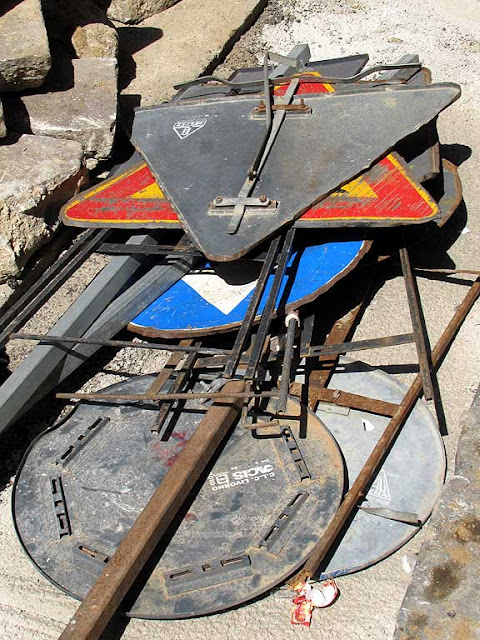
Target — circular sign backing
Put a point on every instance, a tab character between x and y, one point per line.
410	479
253	521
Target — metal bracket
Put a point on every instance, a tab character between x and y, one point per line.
262	201
298	109
273	124
242	207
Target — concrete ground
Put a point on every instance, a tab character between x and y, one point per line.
446	35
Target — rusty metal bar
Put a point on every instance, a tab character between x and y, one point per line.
350	400
261	425
422	342
122	344
376	458
168	369
50	282
473	272
361	345
306	334
341	330
111	587
160	381
142	397
249	318
267	313
115	249
180	379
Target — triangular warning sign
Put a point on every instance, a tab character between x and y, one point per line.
131	199
386	194
324	151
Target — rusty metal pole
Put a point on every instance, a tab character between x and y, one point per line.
111	587
375	460
418	323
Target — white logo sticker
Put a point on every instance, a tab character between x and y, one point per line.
235	476
185	128
380	488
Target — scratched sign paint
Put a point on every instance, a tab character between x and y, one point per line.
386	195
132	199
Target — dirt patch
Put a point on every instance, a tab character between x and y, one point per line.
468	530
445	579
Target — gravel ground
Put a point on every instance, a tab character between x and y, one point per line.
447	36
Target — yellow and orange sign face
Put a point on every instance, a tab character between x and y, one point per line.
386	195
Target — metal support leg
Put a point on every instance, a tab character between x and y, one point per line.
422	342
270	306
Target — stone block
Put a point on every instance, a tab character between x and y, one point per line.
79	103
24	50
82	25
178	45
96	40
133	11
442	600
39	174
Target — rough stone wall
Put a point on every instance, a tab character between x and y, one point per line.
58	110
24	49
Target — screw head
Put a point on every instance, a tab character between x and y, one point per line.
263	198
218	199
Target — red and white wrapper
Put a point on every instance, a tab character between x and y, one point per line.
308	597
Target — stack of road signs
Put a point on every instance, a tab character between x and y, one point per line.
276	176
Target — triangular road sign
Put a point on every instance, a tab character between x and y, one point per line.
312	155
387	195
131	199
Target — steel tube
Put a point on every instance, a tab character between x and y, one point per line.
38	373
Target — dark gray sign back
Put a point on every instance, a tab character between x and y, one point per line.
201	150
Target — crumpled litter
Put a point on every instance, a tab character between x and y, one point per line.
307	597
